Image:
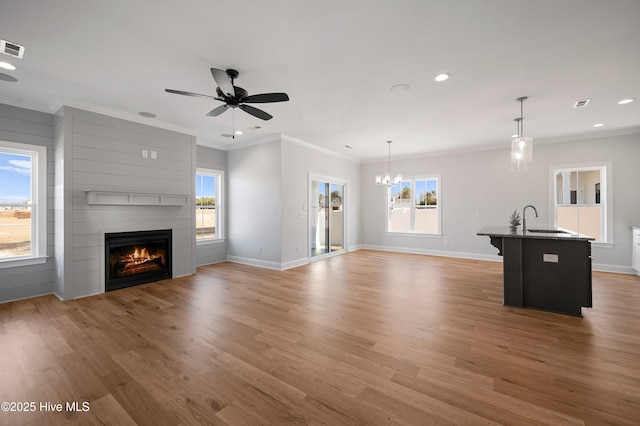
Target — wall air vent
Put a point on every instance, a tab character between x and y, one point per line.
581	104
11	49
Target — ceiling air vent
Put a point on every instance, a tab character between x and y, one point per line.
11	49
581	104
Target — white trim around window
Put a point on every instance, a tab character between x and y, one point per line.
580	198
218	207
414	207
37	203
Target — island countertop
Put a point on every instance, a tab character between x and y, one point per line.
546	234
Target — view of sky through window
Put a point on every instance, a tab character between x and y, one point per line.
15	178
205	187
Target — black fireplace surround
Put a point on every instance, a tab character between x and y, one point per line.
133	258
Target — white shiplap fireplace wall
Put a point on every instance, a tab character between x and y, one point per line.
106	155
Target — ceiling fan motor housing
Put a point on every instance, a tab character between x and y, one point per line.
237	99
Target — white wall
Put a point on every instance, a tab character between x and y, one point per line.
478	189
298	161
268	189
215	159
254	203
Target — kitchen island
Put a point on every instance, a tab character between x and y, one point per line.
547	269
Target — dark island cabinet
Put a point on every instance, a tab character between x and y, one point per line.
551	272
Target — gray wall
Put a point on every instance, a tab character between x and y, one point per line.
106	155
34	128
213	252
61	204
478	189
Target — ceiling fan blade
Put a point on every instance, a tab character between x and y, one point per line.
196	95
256	112
223	81
217	111
264	98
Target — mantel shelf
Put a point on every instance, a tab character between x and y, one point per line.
116	198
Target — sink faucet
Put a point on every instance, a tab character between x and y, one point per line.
524	217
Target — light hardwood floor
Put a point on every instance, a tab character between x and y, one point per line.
364	338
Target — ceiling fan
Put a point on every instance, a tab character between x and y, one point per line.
234	96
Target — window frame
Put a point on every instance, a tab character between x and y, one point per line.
38	204
606	198
219	175
412	207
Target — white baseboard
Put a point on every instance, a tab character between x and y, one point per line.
254	262
600	267
268	264
616	269
441	253
294	263
25	298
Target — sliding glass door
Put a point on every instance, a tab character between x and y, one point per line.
326	216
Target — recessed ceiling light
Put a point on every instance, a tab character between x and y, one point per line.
7	66
598	125
515	136
441	77
238	132
400	87
626	101
147	114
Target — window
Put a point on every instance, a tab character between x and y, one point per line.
580	200
413	206
209	204
23	210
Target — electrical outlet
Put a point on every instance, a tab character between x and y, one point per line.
145	153
154	155
259	250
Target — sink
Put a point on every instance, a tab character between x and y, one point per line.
549	231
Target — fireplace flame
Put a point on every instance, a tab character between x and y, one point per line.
139	256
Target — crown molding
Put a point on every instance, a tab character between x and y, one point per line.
319	149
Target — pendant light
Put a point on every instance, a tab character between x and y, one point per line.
521	146
386	179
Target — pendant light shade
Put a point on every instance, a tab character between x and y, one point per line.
521	146
386	179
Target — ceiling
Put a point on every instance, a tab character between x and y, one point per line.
337	60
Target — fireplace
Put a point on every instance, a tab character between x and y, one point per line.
134	258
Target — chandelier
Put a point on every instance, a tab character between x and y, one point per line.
521	146
386	179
